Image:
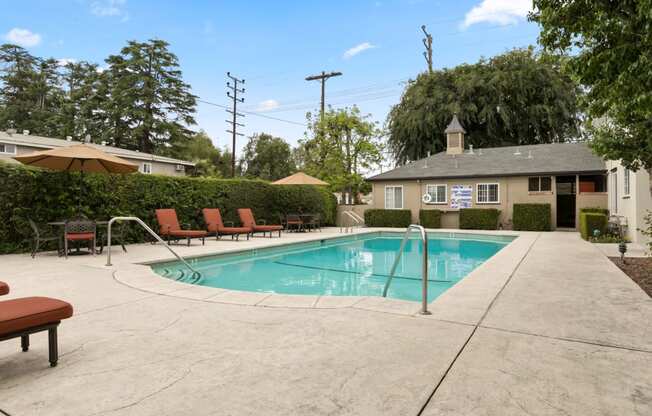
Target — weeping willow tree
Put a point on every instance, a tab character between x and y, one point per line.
520	97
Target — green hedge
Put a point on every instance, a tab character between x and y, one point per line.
479	218
595	210
48	196
430	218
399	218
591	221
532	217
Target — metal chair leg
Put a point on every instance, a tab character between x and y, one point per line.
53	346
24	342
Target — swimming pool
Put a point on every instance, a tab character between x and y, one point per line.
345	266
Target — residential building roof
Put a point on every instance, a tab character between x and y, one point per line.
50	143
548	159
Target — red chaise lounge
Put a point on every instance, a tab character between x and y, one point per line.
247	219
214	225
169	227
25	316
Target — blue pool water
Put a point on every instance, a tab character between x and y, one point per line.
346	266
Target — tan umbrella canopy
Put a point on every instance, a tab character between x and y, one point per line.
78	158
299	178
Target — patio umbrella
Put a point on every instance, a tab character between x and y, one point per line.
300	178
78	158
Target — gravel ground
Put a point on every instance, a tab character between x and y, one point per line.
639	269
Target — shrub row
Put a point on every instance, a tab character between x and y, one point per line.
591	221
430	218
398	218
49	196
532	217
595	210
479	218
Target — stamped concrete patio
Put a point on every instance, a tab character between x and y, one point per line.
548	326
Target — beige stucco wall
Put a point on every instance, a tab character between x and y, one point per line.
512	190
158	168
633	206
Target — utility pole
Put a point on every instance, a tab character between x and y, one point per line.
323	77
233	95
427	42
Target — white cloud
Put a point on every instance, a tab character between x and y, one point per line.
350	53
110	8
65	61
23	37
500	12
267	105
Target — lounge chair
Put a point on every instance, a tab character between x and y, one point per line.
25	316
247	219
214	225
169	227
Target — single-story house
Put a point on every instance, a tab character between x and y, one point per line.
13	144
568	176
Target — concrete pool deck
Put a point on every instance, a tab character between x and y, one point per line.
547	326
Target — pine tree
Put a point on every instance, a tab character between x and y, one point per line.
149	93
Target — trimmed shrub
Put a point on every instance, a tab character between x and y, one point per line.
591	221
531	217
604	211
49	196
479	218
430	218
398	218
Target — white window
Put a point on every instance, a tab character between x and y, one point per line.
613	187
146	168
626	183
9	149
487	193
394	197
437	194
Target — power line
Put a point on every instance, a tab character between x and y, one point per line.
253	113
233	95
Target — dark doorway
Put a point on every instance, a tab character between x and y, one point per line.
566	201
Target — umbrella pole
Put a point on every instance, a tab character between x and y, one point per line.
81	186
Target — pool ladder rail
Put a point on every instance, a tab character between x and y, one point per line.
192	277
355	220
424	265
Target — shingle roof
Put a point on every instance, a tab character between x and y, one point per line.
554	158
454	126
49	143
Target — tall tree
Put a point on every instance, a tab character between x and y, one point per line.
340	149
267	157
150	94
519	97
610	47
79	115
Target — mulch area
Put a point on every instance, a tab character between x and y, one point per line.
639	269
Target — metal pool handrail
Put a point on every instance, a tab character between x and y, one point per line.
424	270
357	220
149	230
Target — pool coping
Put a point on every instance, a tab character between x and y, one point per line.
465	302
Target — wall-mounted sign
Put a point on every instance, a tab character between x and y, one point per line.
461	196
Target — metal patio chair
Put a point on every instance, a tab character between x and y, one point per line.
40	236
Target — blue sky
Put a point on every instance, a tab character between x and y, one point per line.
274	45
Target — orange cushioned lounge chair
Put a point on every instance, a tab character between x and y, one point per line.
169	227
247	219
214	225
25	316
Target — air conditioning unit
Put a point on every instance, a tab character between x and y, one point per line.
180	168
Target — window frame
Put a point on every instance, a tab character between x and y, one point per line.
435	185
393	197
477	193
4	152
627	184
539	183
146	171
